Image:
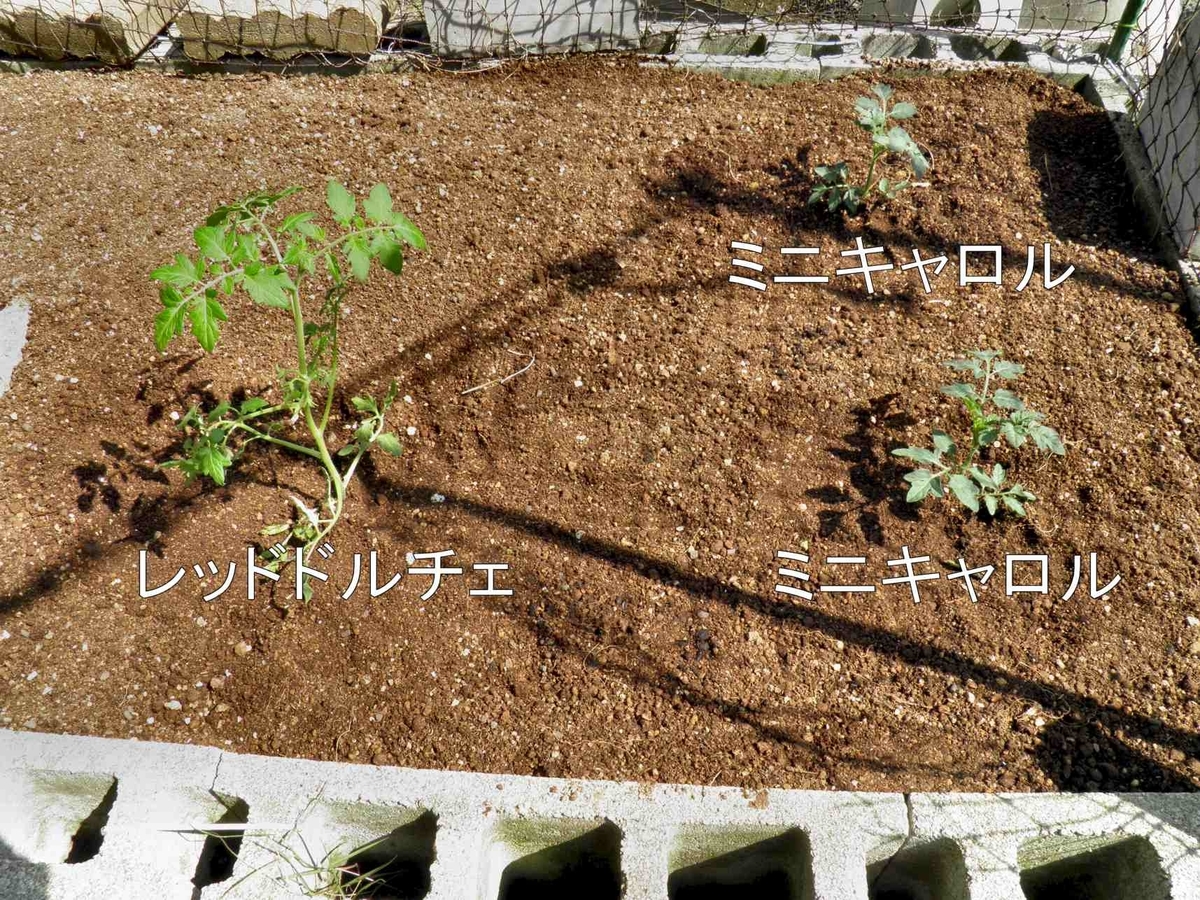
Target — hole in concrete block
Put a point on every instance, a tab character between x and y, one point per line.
932	871
1102	868
659	43
734	45
955	13
727	865
86	841
396	866
973	47
220	851
586	867
896	45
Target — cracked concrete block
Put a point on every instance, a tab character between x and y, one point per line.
87	817
498	27
280	29
112	31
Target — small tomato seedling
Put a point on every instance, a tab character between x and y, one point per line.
874	117
240	249
995	414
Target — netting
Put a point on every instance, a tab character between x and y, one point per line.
1150	47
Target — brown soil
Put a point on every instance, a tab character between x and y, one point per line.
674	432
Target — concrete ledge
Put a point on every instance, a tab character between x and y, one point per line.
91	817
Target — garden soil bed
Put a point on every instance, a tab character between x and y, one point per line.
672	434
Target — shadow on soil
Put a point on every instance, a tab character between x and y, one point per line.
874	474
1079	717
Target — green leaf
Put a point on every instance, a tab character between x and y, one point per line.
391	256
882	91
1006	369
297	254
390	443
1046	438
983	478
919	455
1014	504
961	391
296	222
334	268
359	259
920	164
407	232
378	205
169	322
205	313
348	449
966	365
923	483
252	405
364	404
988	435
870	115
903	111
219	215
212	460
268	286
1012	434
217	412
944	443
865	105
898	140
966	491
998	474
341	202
180	274
992	502
985	355
1006	399
211	241
272	530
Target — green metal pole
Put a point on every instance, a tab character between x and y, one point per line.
1120	38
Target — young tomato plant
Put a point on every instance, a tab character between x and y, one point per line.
874	116
240	248
995	414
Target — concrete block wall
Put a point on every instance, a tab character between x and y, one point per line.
88	817
111	31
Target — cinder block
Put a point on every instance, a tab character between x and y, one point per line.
197	824
500	27
280	29
1047	846
112	31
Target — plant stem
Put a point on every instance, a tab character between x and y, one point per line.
318	433
270	438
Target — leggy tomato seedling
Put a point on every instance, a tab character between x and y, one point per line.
240	249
